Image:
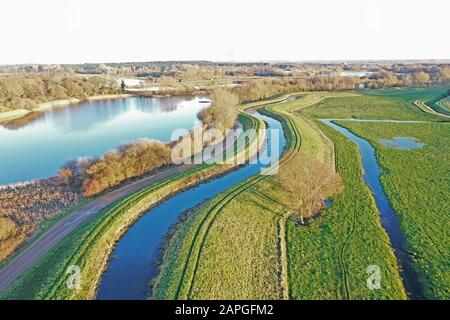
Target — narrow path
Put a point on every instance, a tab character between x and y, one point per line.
421	104
49	239
212	214
66	225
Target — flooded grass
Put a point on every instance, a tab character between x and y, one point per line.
403	143
416	183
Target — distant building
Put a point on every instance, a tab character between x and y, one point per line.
360	86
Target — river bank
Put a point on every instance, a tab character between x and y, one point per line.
114	218
388	216
44	106
415	180
231	247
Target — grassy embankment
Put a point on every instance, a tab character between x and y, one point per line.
233	246
430	100
90	245
445	104
416	182
252	241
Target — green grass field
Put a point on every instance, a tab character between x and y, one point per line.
416	182
90	244
241	244
432	96
367	107
238	253
445	104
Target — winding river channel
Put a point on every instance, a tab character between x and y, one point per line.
387	213
132	266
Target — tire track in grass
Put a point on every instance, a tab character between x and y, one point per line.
342	258
227	198
341	254
425	108
77	258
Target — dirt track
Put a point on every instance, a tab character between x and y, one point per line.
43	244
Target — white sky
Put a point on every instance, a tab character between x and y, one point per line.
77	31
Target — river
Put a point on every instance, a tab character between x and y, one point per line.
387	214
36	146
131	266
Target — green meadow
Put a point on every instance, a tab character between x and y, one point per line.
245	246
416	182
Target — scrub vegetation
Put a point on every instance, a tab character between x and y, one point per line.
24	207
90	245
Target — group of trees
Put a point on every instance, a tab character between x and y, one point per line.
264	88
130	160
25	91
223	113
307	183
390	79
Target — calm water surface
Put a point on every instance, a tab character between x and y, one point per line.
35	147
132	265
404	143
387	213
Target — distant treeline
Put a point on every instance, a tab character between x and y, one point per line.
26	91
263	88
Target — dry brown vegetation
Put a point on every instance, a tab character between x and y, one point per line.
224	111
307	182
24	207
128	161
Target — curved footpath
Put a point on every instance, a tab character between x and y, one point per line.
65	226
421	104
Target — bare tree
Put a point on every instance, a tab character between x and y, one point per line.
307	182
224	111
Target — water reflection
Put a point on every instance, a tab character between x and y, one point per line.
404	143
132	264
37	145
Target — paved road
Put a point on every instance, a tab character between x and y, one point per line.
55	234
48	240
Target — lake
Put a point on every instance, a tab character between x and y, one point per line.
35	147
131	266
